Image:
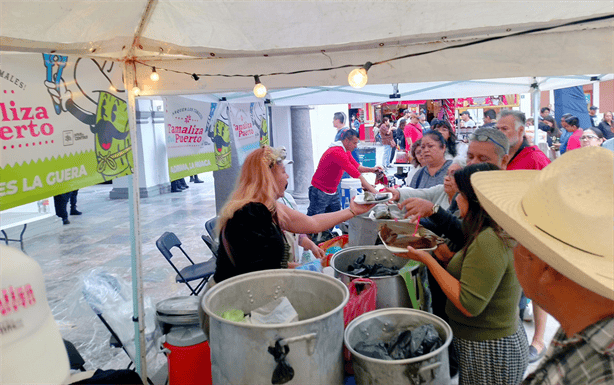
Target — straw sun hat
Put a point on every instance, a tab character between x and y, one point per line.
563	213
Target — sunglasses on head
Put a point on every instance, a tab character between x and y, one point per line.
485	138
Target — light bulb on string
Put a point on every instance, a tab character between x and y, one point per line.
259	88
358	77
154	75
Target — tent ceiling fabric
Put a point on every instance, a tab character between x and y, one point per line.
263	37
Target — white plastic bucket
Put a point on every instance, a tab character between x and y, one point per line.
350	187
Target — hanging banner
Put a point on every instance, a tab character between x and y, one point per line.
250	127
197	136
64	126
510	100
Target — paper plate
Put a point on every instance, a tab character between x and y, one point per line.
397	250
360	199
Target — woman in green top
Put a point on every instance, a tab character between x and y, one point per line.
483	292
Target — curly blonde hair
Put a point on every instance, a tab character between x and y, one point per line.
256	183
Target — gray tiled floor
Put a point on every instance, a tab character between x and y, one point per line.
100	239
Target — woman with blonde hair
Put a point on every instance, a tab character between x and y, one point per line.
252	221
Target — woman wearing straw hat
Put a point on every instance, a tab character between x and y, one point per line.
561	217
483	294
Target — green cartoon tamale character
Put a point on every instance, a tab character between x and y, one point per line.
104	113
258	115
113	147
220	134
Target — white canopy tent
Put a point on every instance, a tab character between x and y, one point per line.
314	45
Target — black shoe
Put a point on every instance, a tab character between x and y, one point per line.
192	178
65	221
75	212
197	180
176	189
183	184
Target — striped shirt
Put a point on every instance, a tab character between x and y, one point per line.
586	358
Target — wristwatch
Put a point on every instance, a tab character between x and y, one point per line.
435	209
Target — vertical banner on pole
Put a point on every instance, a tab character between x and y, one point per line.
197	136
249	126
63	126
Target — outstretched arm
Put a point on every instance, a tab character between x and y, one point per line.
299	223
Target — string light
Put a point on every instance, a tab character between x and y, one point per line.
154	75
136	90
358	77
259	88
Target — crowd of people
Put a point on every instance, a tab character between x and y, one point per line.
490	258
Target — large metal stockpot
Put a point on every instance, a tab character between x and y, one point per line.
391	289
239	351
382	325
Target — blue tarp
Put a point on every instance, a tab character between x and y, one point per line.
571	100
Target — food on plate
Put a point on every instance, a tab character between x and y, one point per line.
389	212
395	239
370	197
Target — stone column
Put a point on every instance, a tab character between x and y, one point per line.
224	180
302	152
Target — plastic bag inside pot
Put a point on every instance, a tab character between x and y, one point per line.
405	344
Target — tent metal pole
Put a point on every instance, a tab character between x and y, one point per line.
536	96
138	316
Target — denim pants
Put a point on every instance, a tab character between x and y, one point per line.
386	160
320	202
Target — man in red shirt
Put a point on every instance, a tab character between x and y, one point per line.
413	130
525	157
323	195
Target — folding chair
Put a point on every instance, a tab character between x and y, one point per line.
210	243
210	227
74	358
99	290
193	272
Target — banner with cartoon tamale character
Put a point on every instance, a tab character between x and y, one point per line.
250	127
63	126
197	136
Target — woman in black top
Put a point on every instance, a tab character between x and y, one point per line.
251	223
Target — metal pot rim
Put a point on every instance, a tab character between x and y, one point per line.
313	274
372	314
347	249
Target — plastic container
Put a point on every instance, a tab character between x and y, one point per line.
350	187
366	156
185	343
189	356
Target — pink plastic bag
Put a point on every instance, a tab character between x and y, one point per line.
358	304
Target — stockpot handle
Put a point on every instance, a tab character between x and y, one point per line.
310	338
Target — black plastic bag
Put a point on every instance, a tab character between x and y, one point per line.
378	350
400	346
283	371
424	340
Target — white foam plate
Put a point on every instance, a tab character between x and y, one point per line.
360	199
394	249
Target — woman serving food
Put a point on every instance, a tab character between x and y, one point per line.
252	222
483	294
